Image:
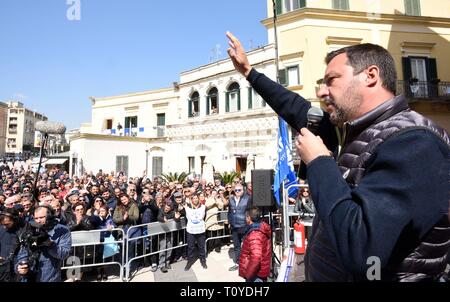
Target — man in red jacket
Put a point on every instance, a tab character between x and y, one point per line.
256	252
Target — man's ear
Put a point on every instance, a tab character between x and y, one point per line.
372	75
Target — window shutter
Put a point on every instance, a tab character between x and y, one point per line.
279	6
190	105
302	3
250	97
227	102
415	7
208	100
408	7
432	69
239	99
433	85
283	77
406	65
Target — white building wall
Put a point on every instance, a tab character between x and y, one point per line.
95	153
220	138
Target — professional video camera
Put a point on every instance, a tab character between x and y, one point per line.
35	237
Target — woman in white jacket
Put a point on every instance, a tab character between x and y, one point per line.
196	231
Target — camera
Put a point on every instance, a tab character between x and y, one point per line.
34	238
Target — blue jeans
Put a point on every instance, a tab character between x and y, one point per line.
238	235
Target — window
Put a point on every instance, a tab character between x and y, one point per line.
191	160
160	124
212	101
419	74
255	101
290	76
130	125
285	6
340	4
193	105
109	124
233	98
122	164
157	163
412	7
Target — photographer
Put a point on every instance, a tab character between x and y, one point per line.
9	242
44	246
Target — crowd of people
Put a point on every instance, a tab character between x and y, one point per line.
106	201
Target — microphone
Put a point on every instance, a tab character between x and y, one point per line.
50	127
315	115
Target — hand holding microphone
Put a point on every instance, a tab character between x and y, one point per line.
309	145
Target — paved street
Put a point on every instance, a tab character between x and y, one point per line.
217	271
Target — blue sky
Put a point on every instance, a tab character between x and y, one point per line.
53	65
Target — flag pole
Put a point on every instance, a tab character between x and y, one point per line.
286	230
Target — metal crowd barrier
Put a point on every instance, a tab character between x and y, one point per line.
138	242
158	230
222	219
87	251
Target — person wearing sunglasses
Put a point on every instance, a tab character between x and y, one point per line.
237	205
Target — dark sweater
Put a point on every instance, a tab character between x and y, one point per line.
403	194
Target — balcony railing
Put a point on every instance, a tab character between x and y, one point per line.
424	90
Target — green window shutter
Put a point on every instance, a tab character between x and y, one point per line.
283	77
250	97
302	3
227	102
279	6
432	69
412	7
416	7
208	99
239	100
433	85
190	105
217	103
340	4
406	65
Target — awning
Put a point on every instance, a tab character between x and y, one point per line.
56	161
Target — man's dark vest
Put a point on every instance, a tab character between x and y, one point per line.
361	138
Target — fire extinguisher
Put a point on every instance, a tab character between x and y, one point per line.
299	237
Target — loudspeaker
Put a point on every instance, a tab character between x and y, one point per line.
262	183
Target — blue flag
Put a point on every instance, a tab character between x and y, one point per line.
284	168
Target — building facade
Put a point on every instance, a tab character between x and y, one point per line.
3	121
416	32
20	133
211	120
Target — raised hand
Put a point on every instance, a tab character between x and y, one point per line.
238	56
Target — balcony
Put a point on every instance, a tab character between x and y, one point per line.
421	90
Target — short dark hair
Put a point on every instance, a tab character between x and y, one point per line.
364	55
254	213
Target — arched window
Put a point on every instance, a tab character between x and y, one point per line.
194	105
212	101
233	98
